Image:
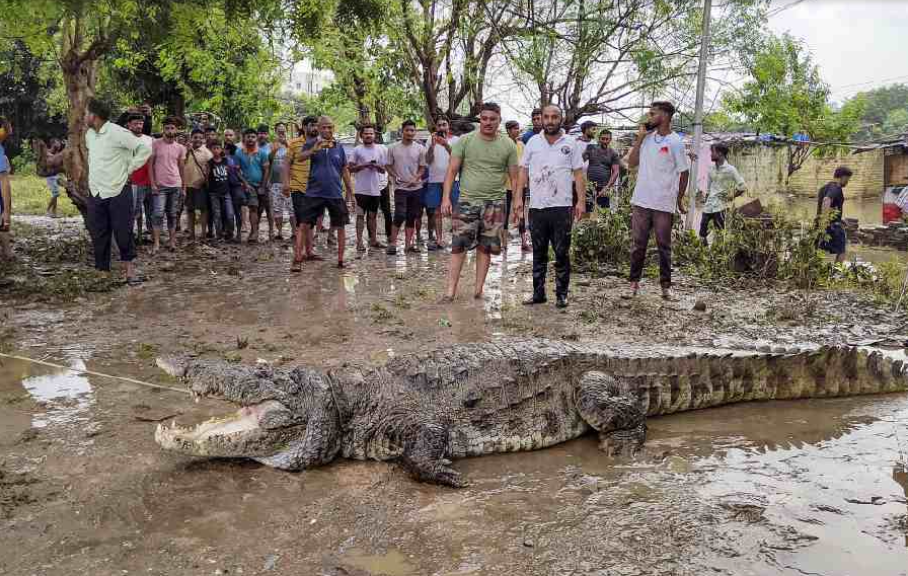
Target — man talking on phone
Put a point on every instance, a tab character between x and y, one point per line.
661	182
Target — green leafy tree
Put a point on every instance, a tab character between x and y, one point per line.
785	95
77	34
25	91
198	50
348	38
885	112
896	122
220	64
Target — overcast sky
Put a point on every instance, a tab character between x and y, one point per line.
858	44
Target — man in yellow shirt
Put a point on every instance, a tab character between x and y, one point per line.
296	180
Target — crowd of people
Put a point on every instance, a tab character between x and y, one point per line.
481	180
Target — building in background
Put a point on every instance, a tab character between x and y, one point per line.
304	80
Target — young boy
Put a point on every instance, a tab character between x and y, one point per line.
219	192
54	165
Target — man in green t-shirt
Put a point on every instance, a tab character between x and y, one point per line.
484	159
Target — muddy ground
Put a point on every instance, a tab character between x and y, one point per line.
814	487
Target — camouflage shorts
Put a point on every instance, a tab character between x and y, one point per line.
478	224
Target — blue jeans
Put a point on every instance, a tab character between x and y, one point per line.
142	207
167	201
222	215
238	198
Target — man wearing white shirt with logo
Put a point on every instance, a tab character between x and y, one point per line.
661	182
552	163
367	163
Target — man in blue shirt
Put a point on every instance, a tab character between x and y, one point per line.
6	202
328	176
254	164
536	117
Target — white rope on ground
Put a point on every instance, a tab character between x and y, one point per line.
93	373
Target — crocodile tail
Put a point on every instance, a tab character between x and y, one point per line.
665	384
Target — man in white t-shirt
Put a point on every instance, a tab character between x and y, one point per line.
437	157
552	163
661	182
367	163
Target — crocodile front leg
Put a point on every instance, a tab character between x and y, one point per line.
425	448
615	416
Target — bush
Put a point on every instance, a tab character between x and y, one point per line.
24	163
603	240
775	247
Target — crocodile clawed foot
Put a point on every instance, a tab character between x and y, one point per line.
436	472
622	442
447	476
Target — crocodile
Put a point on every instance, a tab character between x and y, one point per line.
426	409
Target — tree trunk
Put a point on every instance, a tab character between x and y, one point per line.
79	76
430	92
797	155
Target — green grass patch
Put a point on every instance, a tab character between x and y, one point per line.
30	196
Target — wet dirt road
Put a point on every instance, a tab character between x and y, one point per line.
813	487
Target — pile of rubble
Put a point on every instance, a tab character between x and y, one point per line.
892	235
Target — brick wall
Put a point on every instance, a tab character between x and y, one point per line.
765	167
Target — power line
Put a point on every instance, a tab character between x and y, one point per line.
855	84
781	9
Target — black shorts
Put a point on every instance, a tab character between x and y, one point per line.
836	242
368	204
299	205
314	206
407	207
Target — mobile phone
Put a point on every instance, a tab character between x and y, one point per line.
440	134
372	162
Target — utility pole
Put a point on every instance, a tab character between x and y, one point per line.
698	114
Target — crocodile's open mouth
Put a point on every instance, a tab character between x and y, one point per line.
245	433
